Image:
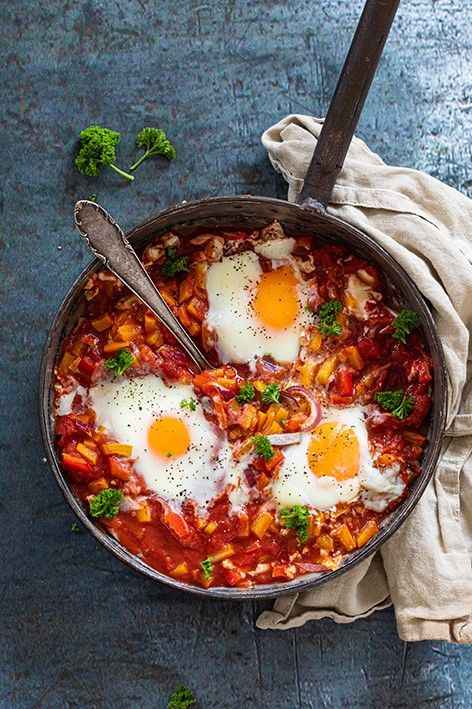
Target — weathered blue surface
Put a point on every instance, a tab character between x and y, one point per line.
78	628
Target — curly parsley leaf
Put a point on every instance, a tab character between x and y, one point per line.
327	317
404	324
190	404
97	147
74	527
271	394
174	264
181	698
246	393
396	402
207	567
263	447
121	363
296	518
105	504
154	142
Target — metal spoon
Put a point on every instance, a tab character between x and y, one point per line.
108	242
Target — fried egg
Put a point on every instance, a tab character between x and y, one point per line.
177	451
255	312
331	464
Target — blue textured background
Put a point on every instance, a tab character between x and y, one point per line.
76	627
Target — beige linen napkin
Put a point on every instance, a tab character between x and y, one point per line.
425	569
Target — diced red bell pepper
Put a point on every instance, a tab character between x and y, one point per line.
275	461
78	467
179	527
283	570
344	384
87	366
368	348
232	576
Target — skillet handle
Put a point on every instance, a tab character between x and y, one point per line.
347	102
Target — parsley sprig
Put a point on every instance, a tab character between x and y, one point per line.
190	404
246	393
327	316
271	394
181	698
396	402
404	324
173	263
296	518
207	567
263	447
105	504
121	363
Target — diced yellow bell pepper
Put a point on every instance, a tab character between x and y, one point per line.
144	514
97	485
86	453
103	323
325	542
226	552
326	370
306	373
127	331
180	570
210	527
68	361
117	449
115	346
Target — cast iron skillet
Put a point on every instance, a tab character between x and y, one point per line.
307	215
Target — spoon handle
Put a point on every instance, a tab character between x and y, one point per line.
109	244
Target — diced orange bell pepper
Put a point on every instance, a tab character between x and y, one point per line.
76	464
117	470
98	485
367	532
346	538
261	524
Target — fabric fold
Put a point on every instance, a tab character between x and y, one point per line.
425	569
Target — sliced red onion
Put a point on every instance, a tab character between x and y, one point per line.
82	426
284	439
127	504
315	409
250	476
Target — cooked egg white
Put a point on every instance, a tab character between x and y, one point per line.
333	464
178	452
254	312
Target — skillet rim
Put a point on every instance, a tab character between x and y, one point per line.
61	324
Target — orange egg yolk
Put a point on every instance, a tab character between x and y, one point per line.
276	302
334	450
168	437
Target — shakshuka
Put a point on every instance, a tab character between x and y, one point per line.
285	456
